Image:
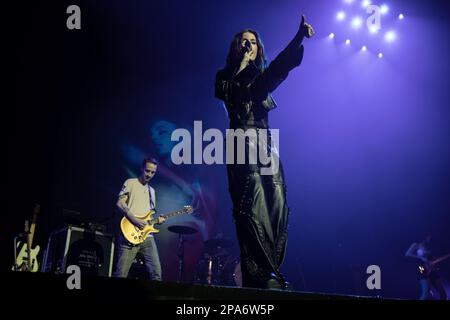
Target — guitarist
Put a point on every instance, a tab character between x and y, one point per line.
136	199
428	275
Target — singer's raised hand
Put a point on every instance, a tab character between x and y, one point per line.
305	28
246	58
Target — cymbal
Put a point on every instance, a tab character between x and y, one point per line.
182	229
218	243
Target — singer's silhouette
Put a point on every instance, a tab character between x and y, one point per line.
259	201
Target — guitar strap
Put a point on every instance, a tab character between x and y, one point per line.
152	204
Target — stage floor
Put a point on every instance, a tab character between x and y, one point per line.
55	286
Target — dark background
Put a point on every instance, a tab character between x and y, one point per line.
366	152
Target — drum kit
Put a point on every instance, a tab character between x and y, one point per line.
218	265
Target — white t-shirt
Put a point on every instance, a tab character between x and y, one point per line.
138	197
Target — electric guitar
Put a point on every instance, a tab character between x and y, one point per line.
26	259
134	235
427	268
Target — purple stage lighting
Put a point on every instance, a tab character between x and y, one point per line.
364	48
365	3
331	35
380	55
347	41
373	29
340	15
401	16
384	9
390	36
357	23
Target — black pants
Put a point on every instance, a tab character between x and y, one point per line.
261	216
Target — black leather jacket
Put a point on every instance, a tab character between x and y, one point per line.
247	96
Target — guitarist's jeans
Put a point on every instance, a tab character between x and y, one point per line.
127	252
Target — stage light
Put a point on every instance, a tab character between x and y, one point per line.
357	22
380	55
347	41
390	36
331	35
365	3
384	9
340	15
373	29
401	16
364	48
348	1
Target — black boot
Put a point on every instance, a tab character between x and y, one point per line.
273	282
285	285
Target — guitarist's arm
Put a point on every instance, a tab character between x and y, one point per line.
123	207
413	252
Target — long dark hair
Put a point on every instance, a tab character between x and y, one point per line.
234	56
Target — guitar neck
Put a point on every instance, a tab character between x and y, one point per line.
168	215
36	210
31	235
441	258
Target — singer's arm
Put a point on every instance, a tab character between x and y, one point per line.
225	88
278	70
231	87
411	252
288	59
244	63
